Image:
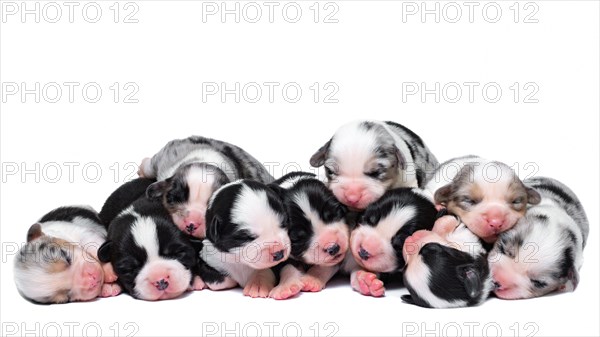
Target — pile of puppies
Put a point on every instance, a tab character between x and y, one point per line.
206	214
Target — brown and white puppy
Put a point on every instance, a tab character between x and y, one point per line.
190	170
60	263
487	195
543	252
318	233
364	159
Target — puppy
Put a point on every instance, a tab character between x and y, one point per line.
318	233
153	259
446	267
364	159
60	262
543	253
487	195
246	235
190	170
376	243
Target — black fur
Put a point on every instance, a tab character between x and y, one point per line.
122	197
454	276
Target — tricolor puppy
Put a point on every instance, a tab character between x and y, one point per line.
246	235
318	233
153	259
487	195
190	170
543	252
60	262
364	159
377	242
446	267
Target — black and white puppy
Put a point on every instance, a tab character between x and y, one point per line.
246	236
487	195
543	252
318	233
190	170
60	261
364	159
377	241
446	267
152	258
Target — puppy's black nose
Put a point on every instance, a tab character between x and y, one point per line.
190	228
363	254
333	249
278	255
162	284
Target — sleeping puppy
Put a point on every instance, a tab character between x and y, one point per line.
487	195
153	259
246	236
543	253
364	159
318	234
190	170
377	242
60	262
446	267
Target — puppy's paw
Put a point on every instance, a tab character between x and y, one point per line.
109	273
260	285
286	290
143	169
198	284
368	284
312	283
228	283
110	290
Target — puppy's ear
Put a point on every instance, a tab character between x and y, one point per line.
533	197
157	189
572	281
442	195
104	251
34	232
470	279
318	159
400	158
212	230
278	190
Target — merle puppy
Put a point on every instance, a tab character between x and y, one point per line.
190	170
377	242
60	262
152	258
364	159
246	236
543	252
318	233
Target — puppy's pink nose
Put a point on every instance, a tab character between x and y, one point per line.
352	198
494	218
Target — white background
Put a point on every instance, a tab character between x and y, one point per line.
368	54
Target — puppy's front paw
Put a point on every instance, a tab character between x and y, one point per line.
260	285
286	290
312	283
109	273
198	284
143	168
368	284
110	290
